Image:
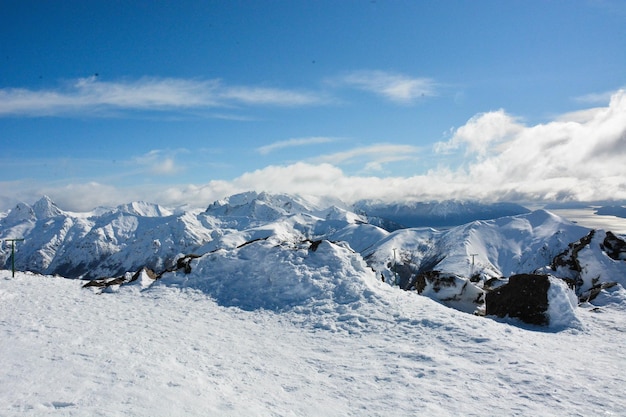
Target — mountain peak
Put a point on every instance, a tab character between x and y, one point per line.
20	213
45	208
143	209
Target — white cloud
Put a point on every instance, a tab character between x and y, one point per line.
566	159
289	143
395	87
270	96
94	96
375	154
559	160
165	167
595	98
91	95
159	162
511	162
481	132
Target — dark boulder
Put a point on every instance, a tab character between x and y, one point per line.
614	247
524	297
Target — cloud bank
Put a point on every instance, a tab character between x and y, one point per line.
567	159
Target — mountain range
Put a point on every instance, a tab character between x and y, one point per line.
277	251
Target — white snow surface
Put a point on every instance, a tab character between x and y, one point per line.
342	344
562	305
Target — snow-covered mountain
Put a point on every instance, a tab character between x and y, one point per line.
276	305
103	243
260	250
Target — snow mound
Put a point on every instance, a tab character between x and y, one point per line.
277	275
562	305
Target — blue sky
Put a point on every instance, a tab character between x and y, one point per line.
105	102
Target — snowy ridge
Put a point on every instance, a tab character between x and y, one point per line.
260	250
508	245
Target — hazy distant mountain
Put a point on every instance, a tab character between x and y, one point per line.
435	214
617	211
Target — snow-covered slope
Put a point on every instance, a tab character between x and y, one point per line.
451	265
166	350
508	245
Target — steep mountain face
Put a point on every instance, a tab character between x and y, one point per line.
268	244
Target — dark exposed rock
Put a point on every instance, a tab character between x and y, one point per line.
184	263
586	279
450	289
569	258
524	297
315	244
493	283
614	247
181	263
149	272
594	291
435	278
121	280
105	282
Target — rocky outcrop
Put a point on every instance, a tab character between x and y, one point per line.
593	263
524	297
103	283
569	258
183	263
450	289
614	247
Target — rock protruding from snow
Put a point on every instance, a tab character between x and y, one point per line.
524	297
614	247
594	263
534	299
450	289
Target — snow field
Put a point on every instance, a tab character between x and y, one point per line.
164	351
